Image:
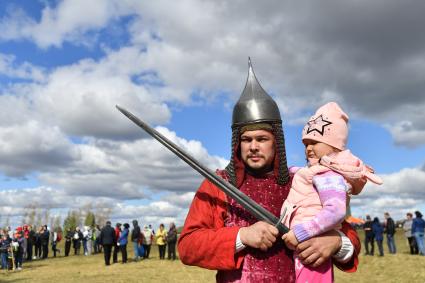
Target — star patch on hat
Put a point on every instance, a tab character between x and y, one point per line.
318	125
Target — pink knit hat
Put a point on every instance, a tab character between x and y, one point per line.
328	125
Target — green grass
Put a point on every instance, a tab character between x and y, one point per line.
401	267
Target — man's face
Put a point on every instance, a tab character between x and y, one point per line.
258	149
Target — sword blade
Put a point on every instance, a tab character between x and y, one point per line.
254	208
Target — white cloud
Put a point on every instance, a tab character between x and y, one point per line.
29	147
81	98
47	198
15	110
153	213
405	133
201	47
401	192
14	204
9	68
125	170
303	63
182	200
68	21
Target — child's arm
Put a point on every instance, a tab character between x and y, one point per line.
331	188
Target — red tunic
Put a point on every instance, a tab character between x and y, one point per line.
209	235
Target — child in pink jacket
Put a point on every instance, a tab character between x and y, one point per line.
318	199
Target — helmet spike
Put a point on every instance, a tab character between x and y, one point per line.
254	104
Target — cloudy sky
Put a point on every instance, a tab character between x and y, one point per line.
180	66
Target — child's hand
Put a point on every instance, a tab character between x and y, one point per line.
290	240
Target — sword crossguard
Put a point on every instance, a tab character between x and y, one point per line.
280	225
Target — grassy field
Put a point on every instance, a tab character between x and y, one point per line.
401	267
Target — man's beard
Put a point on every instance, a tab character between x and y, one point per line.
260	170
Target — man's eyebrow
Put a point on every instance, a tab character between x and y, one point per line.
256	136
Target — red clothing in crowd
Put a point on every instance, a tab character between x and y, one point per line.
26	232
117	233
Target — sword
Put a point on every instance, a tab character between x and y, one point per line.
254	208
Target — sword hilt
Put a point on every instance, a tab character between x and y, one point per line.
282	228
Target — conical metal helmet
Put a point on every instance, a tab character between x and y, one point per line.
254	105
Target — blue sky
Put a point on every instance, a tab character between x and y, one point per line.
64	65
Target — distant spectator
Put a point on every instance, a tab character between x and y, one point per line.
56	237
418	227
18	248
30	242
141	248
171	241
122	241
44	239
97	243
378	232
135	235
77	240
87	240
161	240
4	249
369	236
25	236
147	241
407	227
116	247
90	242
68	240
107	240
37	253
390	231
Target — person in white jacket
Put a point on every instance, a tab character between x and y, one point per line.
147	240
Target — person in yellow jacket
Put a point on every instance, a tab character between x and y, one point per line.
161	240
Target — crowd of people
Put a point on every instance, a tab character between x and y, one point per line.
88	238
375	230
25	243
115	240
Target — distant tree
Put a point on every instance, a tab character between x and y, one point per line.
90	219
30	214
38	218
7	222
55	223
102	214
46	216
71	221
